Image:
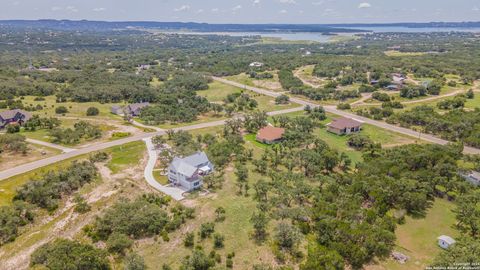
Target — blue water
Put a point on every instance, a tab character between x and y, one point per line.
318	37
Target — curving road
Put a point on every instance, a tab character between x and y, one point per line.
331	109
71	153
334	110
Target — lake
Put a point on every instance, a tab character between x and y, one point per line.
318	37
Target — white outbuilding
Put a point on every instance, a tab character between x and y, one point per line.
445	241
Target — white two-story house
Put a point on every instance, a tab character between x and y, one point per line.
188	171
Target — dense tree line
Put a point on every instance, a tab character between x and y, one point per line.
454	125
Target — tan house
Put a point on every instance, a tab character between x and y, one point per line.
270	135
343	126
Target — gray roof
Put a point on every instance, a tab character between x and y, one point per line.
137	106
189	165
447	239
10	114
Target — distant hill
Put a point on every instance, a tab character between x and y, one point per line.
204	27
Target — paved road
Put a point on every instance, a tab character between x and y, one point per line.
334	110
102	146
51	145
174	192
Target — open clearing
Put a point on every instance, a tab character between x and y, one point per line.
417	238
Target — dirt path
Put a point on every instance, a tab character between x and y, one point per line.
312	82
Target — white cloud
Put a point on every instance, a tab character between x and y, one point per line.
56	8
99	9
364	5
214	10
318	3
72	9
235	8
283	11
200	11
256	2
182	8
288	1
476	9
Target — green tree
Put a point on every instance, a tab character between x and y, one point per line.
319	257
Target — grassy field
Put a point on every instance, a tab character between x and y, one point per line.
417	238
125	156
401	54
9	186
236	228
75	109
36	152
270	84
42	134
218	91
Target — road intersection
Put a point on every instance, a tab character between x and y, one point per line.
71	153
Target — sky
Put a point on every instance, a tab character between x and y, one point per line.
245	11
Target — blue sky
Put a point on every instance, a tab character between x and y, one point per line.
245	11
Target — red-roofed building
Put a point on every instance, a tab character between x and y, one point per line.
270	135
342	126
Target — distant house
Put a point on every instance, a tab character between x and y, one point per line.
473	177
342	126
256	64
398	78
374	82
136	108
14	116
187	172
270	135
393	87
118	110
445	241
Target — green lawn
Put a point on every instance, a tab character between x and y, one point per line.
252	138
162	179
126	156
417	238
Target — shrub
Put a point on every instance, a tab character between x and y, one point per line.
344	106
218	240
92	111
118	243
282	99
68	254
13	128
61	110
206	229
189	240
135	262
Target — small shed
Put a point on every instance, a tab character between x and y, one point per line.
445	241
